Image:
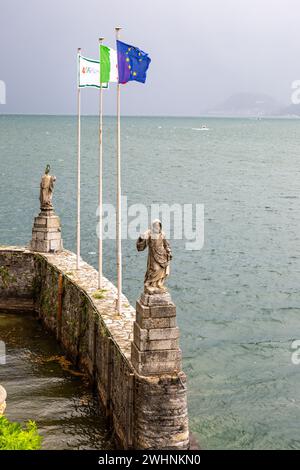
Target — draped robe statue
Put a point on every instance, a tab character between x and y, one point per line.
46	190
159	257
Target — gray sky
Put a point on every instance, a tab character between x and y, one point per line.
202	51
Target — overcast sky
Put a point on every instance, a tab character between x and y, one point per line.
202	52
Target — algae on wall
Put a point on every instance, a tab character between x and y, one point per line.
6	277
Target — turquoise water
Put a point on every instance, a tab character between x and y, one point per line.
238	298
44	387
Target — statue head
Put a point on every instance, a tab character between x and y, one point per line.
47	171
156	226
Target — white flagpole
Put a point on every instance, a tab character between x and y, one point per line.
100	202
118	221
78	160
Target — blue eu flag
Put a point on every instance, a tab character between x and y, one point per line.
132	63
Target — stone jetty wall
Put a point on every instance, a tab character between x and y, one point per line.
145	412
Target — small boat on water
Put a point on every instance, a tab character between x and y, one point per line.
202	128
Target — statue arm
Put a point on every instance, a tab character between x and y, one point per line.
141	244
52	181
142	241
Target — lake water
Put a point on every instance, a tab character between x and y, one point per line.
44	387
238	299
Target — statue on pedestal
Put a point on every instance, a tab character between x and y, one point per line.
159	257
46	190
46	231
155	346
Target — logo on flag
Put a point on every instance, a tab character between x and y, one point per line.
89	73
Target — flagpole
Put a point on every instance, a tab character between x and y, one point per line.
78	161
118	221
100	201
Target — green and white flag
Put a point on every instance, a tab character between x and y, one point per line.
89	73
109	64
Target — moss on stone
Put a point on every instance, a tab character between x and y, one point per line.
6	277
46	304
99	294
36	287
103	330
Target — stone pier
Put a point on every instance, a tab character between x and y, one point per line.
156	357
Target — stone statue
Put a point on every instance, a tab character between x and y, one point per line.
159	257
46	230
46	190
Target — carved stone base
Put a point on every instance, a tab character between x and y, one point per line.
155	347
162	298
46	233
155	290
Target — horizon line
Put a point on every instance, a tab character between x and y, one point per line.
177	116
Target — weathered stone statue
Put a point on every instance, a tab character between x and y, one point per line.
46	190
46	231
159	257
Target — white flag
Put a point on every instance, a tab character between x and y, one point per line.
89	73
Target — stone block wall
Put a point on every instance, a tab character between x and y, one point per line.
17	274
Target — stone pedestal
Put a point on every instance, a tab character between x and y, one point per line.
155	347
46	233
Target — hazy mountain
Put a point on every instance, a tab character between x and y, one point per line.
247	104
291	110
